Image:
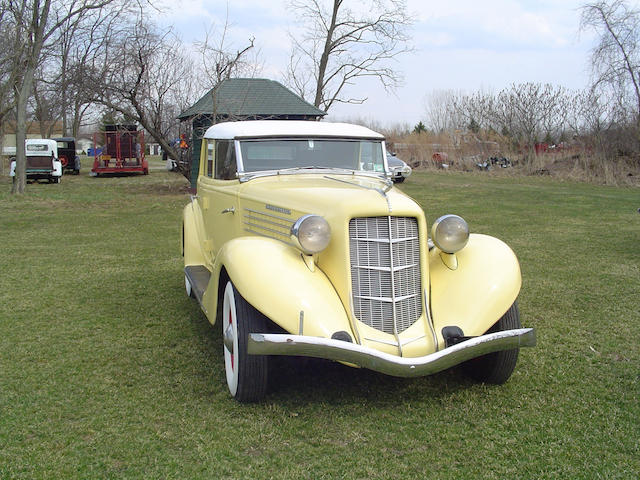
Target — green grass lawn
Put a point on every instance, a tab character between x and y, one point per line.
108	370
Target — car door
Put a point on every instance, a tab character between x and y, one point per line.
218	194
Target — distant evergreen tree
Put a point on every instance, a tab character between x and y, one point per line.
419	128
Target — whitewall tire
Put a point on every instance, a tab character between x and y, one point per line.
246	374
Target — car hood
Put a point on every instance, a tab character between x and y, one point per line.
334	196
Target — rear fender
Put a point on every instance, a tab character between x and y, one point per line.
274	278
479	291
57	168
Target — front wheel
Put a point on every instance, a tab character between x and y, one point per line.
496	367
246	374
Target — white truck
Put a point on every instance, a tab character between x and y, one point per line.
42	160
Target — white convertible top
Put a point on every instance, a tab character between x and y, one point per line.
288	128
41	147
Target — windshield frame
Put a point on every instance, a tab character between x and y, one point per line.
245	176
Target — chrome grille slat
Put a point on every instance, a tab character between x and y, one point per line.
384	240
387	299
385	272
395	269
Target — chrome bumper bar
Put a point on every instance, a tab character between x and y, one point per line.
298	345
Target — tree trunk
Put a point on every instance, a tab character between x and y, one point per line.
20	179
23	92
324	59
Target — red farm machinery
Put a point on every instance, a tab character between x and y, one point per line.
122	151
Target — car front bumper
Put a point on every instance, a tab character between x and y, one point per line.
399	173
298	345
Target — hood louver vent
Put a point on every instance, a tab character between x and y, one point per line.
268	225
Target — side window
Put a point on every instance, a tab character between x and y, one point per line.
210	158
226	167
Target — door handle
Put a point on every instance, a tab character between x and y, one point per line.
229	210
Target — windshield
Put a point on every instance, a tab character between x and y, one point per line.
260	155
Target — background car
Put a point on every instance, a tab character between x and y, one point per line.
67	154
42	160
399	169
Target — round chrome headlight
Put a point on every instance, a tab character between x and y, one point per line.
311	233
450	233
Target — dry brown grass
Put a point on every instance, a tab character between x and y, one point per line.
465	151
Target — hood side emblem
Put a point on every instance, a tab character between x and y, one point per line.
286	211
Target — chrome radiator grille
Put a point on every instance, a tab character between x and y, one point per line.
385	272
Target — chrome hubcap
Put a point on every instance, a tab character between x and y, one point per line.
228	339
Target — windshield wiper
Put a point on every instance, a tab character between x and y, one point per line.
382	191
309	167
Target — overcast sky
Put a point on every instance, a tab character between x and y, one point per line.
461	44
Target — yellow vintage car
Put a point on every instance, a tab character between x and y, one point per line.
297	243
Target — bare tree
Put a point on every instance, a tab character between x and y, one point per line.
6	61
615	60
222	62
527	112
77	46
342	44
145	77
80	55
46	103
536	110
32	24
440	112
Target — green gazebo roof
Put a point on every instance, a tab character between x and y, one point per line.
254	98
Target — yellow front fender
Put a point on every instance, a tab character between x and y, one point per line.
482	287
274	279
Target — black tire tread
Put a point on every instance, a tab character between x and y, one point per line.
497	367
